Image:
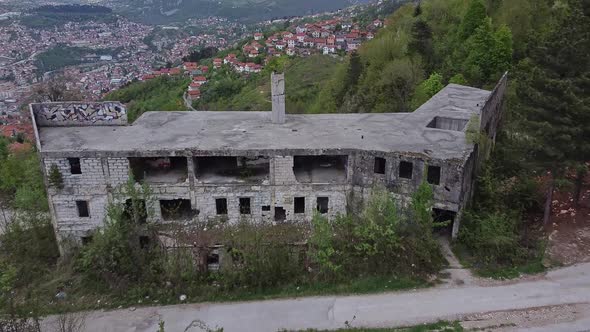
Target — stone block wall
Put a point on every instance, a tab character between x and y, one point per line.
102	176
282	170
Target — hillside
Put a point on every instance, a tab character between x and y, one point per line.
304	78
167	11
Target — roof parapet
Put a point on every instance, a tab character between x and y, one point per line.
79	113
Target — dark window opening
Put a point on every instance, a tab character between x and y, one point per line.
86	240
213	260
245	207
221	206
320	169
379	165
447	123
135	210
75	167
177	209
266	208
280	214
433	176
299	203
322	205
232	169
144	241
406	169
160	169
83	211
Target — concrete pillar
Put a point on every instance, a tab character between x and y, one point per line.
278	97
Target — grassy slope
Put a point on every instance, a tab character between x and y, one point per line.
304	78
160	94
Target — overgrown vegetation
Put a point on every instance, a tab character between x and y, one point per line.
381	248
160	94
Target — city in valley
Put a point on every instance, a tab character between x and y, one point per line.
294	165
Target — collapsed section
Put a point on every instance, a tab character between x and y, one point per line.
320	169
232	169
177	209
159	169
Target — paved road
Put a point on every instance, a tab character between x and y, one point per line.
564	286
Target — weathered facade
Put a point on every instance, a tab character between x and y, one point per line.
259	165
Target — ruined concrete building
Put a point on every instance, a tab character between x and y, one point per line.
259	165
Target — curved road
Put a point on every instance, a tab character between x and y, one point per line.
569	285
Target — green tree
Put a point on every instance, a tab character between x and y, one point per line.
427	89
474	18
421	43
553	89
489	53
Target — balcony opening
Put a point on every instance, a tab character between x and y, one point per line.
406	169
221	206
280	214
299	203
433	175
379	167
320	169
75	167
232	169
135	210
245	207
159	170
83	211
440	122
322	204
177	209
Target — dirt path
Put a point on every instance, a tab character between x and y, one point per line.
456	274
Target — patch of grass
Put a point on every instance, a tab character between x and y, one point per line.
83	295
499	272
441	326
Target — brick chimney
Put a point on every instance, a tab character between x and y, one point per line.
277	87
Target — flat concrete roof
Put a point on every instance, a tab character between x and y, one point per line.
185	133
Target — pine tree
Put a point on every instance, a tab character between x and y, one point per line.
474	17
421	43
553	88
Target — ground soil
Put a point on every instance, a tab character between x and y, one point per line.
569	228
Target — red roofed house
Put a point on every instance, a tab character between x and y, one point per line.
194	95
217	62
258	36
200	79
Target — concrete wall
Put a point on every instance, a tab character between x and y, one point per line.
101	176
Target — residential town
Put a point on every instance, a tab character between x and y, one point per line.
114	55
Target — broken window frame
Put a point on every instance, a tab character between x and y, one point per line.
245	209
299	205
323	208
75	166
83	208
406	167
434	174
280	214
380	165
221	206
182	211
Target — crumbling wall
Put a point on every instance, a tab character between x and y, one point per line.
79	114
282	170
